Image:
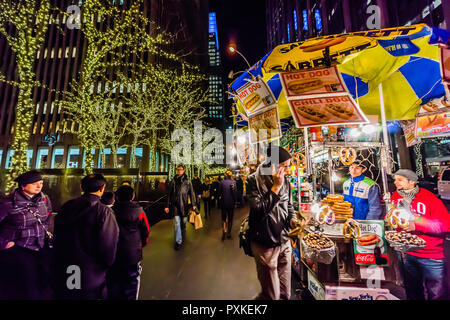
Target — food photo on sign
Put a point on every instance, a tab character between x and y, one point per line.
445	63
255	96
265	126
303	83
320	111
246	152
372	236
409	130
433	126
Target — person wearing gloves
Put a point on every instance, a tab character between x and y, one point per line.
425	267
363	193
271	215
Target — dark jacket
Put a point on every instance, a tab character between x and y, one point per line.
134	232
270	214
197	185
180	190
206	187
18	220
227	193
86	235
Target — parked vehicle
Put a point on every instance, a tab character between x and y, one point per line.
444	184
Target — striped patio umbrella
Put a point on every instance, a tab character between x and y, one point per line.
404	60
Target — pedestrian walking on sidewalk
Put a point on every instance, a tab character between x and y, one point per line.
180	192
206	196
227	199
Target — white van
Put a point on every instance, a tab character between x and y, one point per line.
444	184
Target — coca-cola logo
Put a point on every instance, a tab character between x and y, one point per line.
365	258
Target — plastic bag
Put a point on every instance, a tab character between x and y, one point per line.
325	256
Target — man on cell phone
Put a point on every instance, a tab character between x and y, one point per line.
271	215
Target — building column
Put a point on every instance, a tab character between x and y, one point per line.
384	14
324	14
145	162
403	151
347	16
446	9
310	17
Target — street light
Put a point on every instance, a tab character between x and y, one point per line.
233	49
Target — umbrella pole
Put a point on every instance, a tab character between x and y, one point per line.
385	163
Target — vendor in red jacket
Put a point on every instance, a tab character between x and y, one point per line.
424	267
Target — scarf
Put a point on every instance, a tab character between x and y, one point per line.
408	196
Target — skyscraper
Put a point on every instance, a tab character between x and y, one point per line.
216	108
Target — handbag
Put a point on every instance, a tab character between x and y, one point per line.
205	194
198	222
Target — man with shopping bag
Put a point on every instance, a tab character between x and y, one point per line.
180	192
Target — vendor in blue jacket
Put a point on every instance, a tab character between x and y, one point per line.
363	193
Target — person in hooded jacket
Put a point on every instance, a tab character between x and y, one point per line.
227	199
123	279
85	243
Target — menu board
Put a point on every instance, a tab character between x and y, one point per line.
255	96
265	126
372	236
326	81
322	111
433	126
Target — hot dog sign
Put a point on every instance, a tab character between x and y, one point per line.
255	96
314	82
372	236
324	110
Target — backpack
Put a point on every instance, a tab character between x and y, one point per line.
244	237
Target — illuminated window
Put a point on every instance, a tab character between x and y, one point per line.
57	158
73	157
41	158
9	157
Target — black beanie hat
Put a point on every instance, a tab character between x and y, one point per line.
282	153
28	177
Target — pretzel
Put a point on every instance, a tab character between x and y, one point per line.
299	160
347	156
325	215
398	218
351	229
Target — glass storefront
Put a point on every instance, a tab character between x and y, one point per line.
41	158
121	157
57	158
73	157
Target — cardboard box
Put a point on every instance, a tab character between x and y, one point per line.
356	293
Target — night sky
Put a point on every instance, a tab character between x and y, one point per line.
241	21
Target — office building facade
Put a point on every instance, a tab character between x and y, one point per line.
52	143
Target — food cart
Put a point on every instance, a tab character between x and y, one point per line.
334	81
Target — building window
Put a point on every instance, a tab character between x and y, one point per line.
318	20
9	157
73	157
138	157
305	20
121	157
1	157
41	158
29	156
57	158
295	20
107	152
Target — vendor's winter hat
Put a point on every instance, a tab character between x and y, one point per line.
28	177
408	174
276	155
125	193
361	163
